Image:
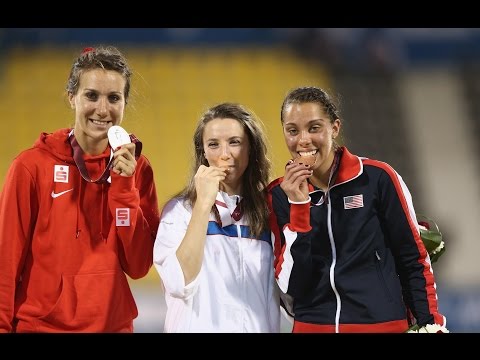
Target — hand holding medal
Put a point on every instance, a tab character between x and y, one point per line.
124	162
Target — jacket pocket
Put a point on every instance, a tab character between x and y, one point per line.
96	302
378	266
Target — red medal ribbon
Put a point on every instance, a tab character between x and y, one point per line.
78	158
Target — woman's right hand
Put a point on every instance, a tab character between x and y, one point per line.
294	182
207	183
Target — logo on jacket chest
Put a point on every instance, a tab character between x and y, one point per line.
60	173
122	216
353	202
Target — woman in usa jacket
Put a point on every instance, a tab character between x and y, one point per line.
348	254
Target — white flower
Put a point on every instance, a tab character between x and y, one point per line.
429	328
438	248
435	328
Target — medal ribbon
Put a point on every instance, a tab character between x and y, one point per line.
78	158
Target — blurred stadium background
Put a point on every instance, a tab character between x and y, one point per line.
407	96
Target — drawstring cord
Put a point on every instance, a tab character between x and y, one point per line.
78	207
101	214
333	171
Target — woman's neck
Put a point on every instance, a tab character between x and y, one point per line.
321	175
89	145
230	189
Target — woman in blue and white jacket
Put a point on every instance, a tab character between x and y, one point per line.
346	239
213	249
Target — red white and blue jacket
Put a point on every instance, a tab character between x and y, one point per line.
352	259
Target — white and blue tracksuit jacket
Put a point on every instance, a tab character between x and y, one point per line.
235	290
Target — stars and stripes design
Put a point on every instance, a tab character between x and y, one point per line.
353	202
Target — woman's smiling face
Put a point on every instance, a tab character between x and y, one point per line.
99	103
308	131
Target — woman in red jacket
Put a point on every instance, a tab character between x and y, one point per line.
77	215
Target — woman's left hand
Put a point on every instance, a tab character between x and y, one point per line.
124	162
294	182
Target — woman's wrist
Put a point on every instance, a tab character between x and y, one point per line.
299	202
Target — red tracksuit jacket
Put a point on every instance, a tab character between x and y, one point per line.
66	245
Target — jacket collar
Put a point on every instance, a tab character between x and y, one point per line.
350	167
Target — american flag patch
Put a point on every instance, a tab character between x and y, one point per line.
353	202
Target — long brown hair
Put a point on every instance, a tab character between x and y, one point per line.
257	174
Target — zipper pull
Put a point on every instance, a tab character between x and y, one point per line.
378	256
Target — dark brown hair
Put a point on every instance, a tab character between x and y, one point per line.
311	94
108	58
